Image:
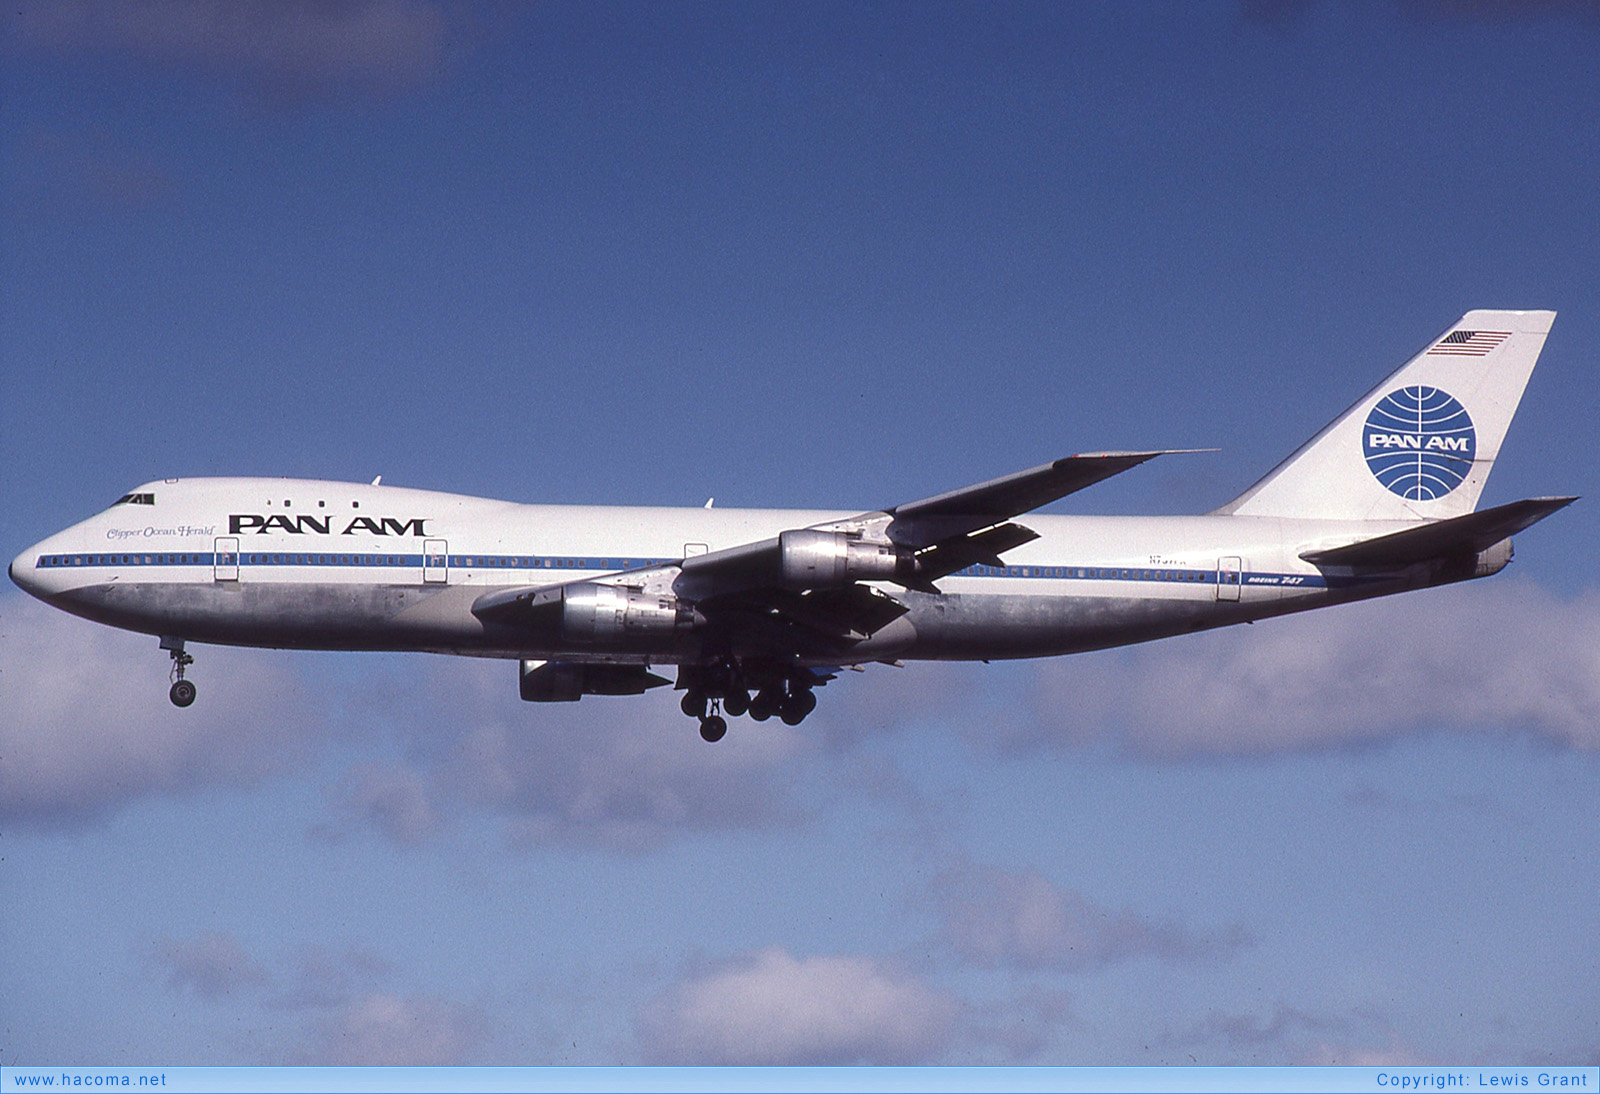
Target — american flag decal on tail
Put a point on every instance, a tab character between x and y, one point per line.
1468	343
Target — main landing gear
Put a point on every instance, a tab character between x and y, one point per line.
713	726
182	692
712	691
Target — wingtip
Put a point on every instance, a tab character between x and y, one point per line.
1131	455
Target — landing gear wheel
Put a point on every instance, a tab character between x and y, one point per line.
694	703
713	728
736	702
765	704
796	707
182	692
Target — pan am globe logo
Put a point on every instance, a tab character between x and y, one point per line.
1419	442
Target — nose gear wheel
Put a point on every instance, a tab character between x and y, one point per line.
182	692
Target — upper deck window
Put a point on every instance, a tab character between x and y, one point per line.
135	499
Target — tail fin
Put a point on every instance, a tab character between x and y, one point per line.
1420	445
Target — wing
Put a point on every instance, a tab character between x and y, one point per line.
931	520
809	586
912	545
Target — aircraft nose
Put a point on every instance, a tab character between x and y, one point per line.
23	572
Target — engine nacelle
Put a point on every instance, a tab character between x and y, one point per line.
542	682
812	559
605	615
566	682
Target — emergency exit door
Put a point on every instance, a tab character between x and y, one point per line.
1230	577
435	561
225	562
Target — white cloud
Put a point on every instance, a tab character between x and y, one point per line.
414	1031
1021	920
324	977
1015	1029
342	1014
1391	1054
774	1008
391	798
86	728
211	964
620	773
1292	1035
885	700
1506	657
85	725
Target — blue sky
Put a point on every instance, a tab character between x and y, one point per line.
835	256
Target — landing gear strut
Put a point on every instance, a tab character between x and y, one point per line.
182	692
696	704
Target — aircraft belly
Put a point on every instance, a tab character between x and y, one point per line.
999	626
332	616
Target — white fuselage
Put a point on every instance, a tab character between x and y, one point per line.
325	565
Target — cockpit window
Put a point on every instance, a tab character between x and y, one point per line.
135	499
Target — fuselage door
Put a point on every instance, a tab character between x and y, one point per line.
1230	577
226	560
435	560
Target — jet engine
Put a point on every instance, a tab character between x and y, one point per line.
606	615
812	559
566	682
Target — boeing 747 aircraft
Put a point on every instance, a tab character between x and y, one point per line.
757	608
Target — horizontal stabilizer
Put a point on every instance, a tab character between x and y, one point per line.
1441	539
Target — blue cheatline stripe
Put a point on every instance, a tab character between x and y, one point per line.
1161	576
514	564
324	558
124	558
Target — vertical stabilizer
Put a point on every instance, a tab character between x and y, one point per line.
1420	445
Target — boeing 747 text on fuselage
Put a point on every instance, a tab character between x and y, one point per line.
756	608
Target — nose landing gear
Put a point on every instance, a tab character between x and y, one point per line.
182	691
